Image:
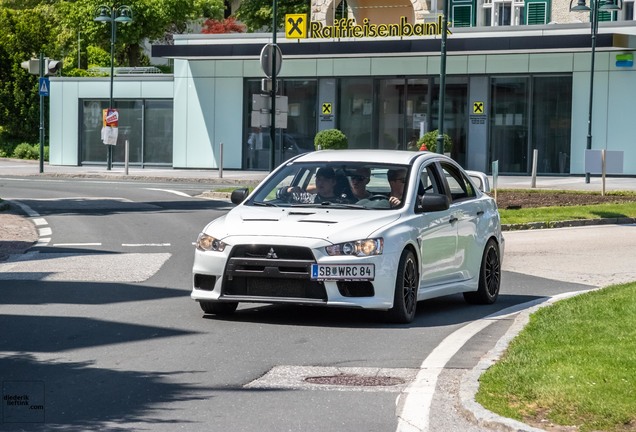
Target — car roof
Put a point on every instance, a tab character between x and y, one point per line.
401	157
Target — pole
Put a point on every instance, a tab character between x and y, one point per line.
442	81
113	27
41	117
126	157
535	157
594	29
272	129
221	160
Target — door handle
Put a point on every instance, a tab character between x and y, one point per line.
480	213
453	219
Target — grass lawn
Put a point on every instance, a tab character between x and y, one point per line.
553	214
574	365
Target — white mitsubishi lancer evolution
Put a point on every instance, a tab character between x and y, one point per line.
372	229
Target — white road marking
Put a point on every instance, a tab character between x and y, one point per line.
45	231
117	268
76	244
414	404
145	244
183	194
39	221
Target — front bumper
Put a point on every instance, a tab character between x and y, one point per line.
280	273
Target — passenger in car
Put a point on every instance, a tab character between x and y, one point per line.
322	191
359	182
396	178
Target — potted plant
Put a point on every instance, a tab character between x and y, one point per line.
428	141
330	139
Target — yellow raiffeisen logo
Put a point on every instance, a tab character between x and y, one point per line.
296	28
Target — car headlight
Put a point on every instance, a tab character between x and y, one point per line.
366	247
208	243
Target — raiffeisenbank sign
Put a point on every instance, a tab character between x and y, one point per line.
298	27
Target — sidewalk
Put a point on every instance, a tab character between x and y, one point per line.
214	177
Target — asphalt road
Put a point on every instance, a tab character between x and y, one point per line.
97	321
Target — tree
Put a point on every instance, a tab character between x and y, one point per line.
257	14
58	28
227	25
24	33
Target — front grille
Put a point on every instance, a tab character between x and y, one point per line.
273	252
280	272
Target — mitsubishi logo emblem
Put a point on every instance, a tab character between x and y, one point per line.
271	254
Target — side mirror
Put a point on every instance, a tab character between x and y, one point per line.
432	202
239	195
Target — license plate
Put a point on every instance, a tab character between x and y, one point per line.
346	272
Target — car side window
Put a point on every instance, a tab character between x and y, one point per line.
428	181
460	187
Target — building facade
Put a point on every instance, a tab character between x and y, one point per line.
512	87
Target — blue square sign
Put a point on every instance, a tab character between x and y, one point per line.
44	86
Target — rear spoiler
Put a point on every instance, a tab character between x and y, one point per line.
480	179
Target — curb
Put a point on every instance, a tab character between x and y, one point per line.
469	385
569	223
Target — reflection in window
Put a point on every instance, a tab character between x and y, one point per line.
296	138
145	123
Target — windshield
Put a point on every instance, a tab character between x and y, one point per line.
345	185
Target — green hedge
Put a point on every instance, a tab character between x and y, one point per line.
23	151
333	139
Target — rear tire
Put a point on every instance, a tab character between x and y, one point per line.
489	277
406	285
218	308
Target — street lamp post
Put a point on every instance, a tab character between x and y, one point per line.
597	5
442	80
112	15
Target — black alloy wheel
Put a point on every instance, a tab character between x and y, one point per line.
406	285
489	277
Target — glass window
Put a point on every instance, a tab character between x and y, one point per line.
130	128
145	124
158	132
297	137
417	110
391	122
459	186
333	184
455	114
551	124
504	14
509	124
356	112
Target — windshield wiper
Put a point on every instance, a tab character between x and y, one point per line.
331	204
264	204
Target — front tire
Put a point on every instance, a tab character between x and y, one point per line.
489	277
406	285
218	308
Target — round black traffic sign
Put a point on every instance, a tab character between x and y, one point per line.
270	55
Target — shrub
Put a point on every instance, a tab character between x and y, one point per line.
29	151
430	140
331	139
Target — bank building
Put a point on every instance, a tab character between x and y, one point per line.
516	74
